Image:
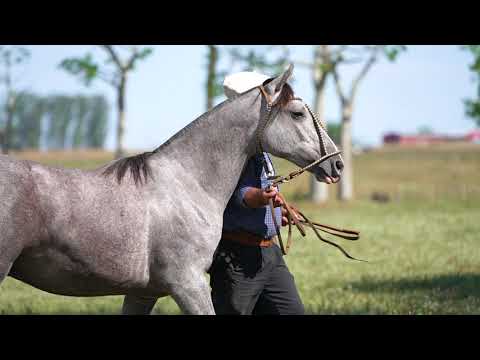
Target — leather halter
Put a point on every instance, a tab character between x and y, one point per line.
294	214
316	122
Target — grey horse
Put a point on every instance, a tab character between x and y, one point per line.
146	226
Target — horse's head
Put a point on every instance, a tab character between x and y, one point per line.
293	132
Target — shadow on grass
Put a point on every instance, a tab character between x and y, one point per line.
454	294
445	286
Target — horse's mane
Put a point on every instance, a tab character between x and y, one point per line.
138	164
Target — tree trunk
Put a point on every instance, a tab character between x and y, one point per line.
7	135
120	152
346	182
318	190
211	76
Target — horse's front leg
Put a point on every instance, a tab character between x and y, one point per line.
191	292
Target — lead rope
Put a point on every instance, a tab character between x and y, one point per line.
293	215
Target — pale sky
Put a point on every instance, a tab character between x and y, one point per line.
425	86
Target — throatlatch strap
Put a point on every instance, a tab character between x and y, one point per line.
293	214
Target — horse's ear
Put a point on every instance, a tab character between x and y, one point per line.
274	87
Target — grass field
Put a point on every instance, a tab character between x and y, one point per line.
423	245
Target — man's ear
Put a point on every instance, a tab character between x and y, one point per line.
274	87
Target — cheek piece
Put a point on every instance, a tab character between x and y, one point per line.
294	214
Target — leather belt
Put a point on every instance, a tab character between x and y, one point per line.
246	238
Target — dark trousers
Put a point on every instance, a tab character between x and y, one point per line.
252	280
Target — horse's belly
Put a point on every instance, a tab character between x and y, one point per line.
57	272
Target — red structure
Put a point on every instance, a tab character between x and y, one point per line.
473	136
394	138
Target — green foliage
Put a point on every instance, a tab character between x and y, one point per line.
67	122
10	57
87	69
271	60
13	55
472	106
84	68
218	85
27	122
141	55
266	59
76	121
392	51
334	131
473	110
475	51
96	124
425	130
60	113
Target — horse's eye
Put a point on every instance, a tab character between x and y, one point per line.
296	114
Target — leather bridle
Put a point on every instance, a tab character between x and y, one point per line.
317	124
294	214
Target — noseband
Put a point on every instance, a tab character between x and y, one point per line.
317	124
293	214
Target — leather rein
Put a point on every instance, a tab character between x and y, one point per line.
294	215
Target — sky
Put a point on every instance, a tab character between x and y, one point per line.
424	87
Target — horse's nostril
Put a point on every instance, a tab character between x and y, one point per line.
339	164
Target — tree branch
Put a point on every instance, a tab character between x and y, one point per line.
303	63
108	78
366	67
132	59
114	56
338	86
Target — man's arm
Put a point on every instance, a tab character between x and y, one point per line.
247	194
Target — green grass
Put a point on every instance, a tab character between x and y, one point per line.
422	246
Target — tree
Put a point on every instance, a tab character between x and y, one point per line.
10	56
75	121
249	60
334	131
27	121
472	106
212	90
271	60
96	123
60	115
320	67
58	122
274	59
366	56
114	71
425	130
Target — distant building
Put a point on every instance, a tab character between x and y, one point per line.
426	139
473	136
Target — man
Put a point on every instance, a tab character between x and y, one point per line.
248	274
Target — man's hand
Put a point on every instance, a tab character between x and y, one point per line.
285	218
256	197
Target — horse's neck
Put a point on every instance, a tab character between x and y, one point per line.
215	148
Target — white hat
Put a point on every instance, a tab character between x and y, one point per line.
241	82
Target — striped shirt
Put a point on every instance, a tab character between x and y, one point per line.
239	217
